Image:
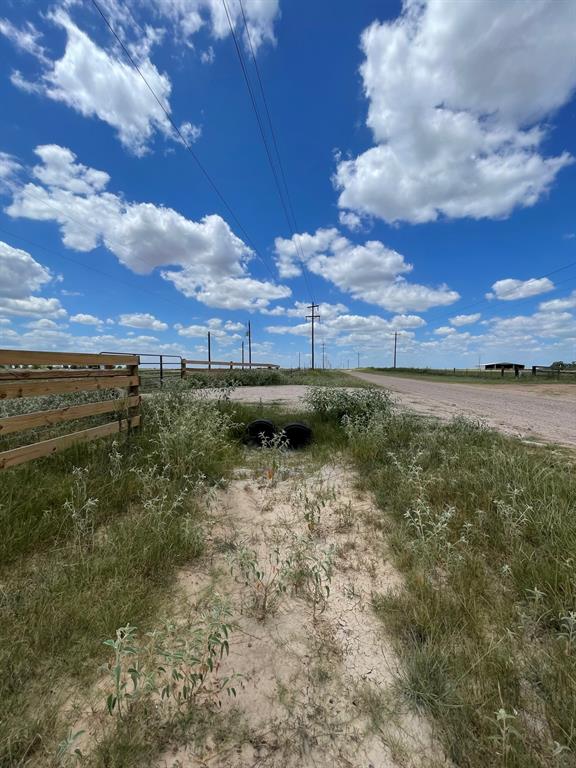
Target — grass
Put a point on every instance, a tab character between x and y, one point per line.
481	526
91	539
472	376
254	378
484	531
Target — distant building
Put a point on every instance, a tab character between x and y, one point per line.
516	367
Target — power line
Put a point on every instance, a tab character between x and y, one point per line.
182	138
481	302
63	217
256	112
268	116
283	195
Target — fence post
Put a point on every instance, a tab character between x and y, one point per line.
182	367
134	391
161	372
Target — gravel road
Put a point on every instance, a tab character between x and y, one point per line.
541	412
289	395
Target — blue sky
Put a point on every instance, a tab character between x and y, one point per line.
429	161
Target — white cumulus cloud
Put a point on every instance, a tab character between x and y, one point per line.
9	168
142	320
568	302
20	274
370	272
189	16
32	306
86	319
96	83
460	320
203	259
511	289
457	112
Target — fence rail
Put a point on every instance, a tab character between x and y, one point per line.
546	370
230	364
61	373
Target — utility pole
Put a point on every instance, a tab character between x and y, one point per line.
358	353
298	360
323	355
209	353
313	317
395	345
242	354
348	364
249	334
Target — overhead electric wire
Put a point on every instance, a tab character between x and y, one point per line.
182	138
268	115
481	302
287	207
255	108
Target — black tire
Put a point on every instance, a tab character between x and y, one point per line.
297	435
260	432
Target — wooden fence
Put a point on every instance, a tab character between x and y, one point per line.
230	364
59	373
546	370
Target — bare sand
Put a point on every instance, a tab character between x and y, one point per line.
307	679
316	673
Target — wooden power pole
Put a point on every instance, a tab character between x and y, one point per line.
395	345
209	353
249	334
313	317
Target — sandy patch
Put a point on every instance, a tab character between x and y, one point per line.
309	674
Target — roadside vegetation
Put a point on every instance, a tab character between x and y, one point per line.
483	528
475	376
248	378
480	527
90	540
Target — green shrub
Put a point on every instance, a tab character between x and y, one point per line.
337	404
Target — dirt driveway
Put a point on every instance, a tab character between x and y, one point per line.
541	412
